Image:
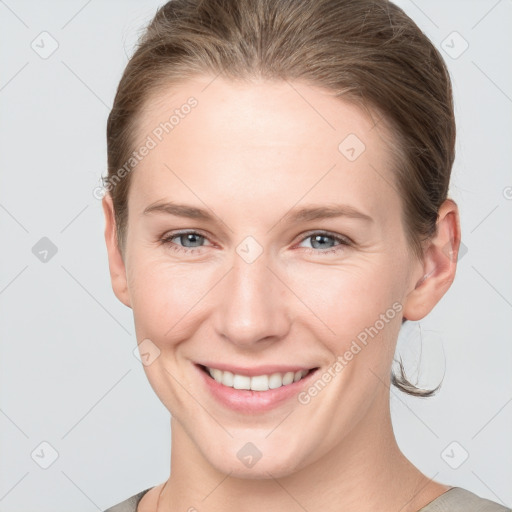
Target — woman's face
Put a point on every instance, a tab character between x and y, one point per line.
259	288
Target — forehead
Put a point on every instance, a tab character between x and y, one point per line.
283	112
284	138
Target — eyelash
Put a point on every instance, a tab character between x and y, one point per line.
343	242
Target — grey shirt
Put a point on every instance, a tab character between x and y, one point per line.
455	499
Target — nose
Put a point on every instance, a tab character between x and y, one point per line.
252	308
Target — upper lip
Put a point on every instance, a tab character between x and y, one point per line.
267	369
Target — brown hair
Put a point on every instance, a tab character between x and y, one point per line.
368	52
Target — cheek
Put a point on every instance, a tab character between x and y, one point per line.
166	297
355	305
166	302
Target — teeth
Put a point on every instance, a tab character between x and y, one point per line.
241	382
288	378
258	382
226	378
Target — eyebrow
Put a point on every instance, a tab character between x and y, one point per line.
304	214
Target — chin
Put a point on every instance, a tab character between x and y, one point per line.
249	462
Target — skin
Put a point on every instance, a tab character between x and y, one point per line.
249	153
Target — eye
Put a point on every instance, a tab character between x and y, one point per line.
319	240
187	237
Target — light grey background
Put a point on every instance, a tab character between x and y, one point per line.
68	374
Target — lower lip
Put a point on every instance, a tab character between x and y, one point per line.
248	401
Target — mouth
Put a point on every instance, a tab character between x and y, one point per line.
254	393
262	382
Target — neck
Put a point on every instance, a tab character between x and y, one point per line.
365	471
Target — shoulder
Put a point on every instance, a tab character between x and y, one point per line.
129	505
458	499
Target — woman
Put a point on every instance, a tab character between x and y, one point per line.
276	208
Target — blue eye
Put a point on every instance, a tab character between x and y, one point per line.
188	237
318	242
319	237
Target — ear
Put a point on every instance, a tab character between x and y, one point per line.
115	259
436	272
